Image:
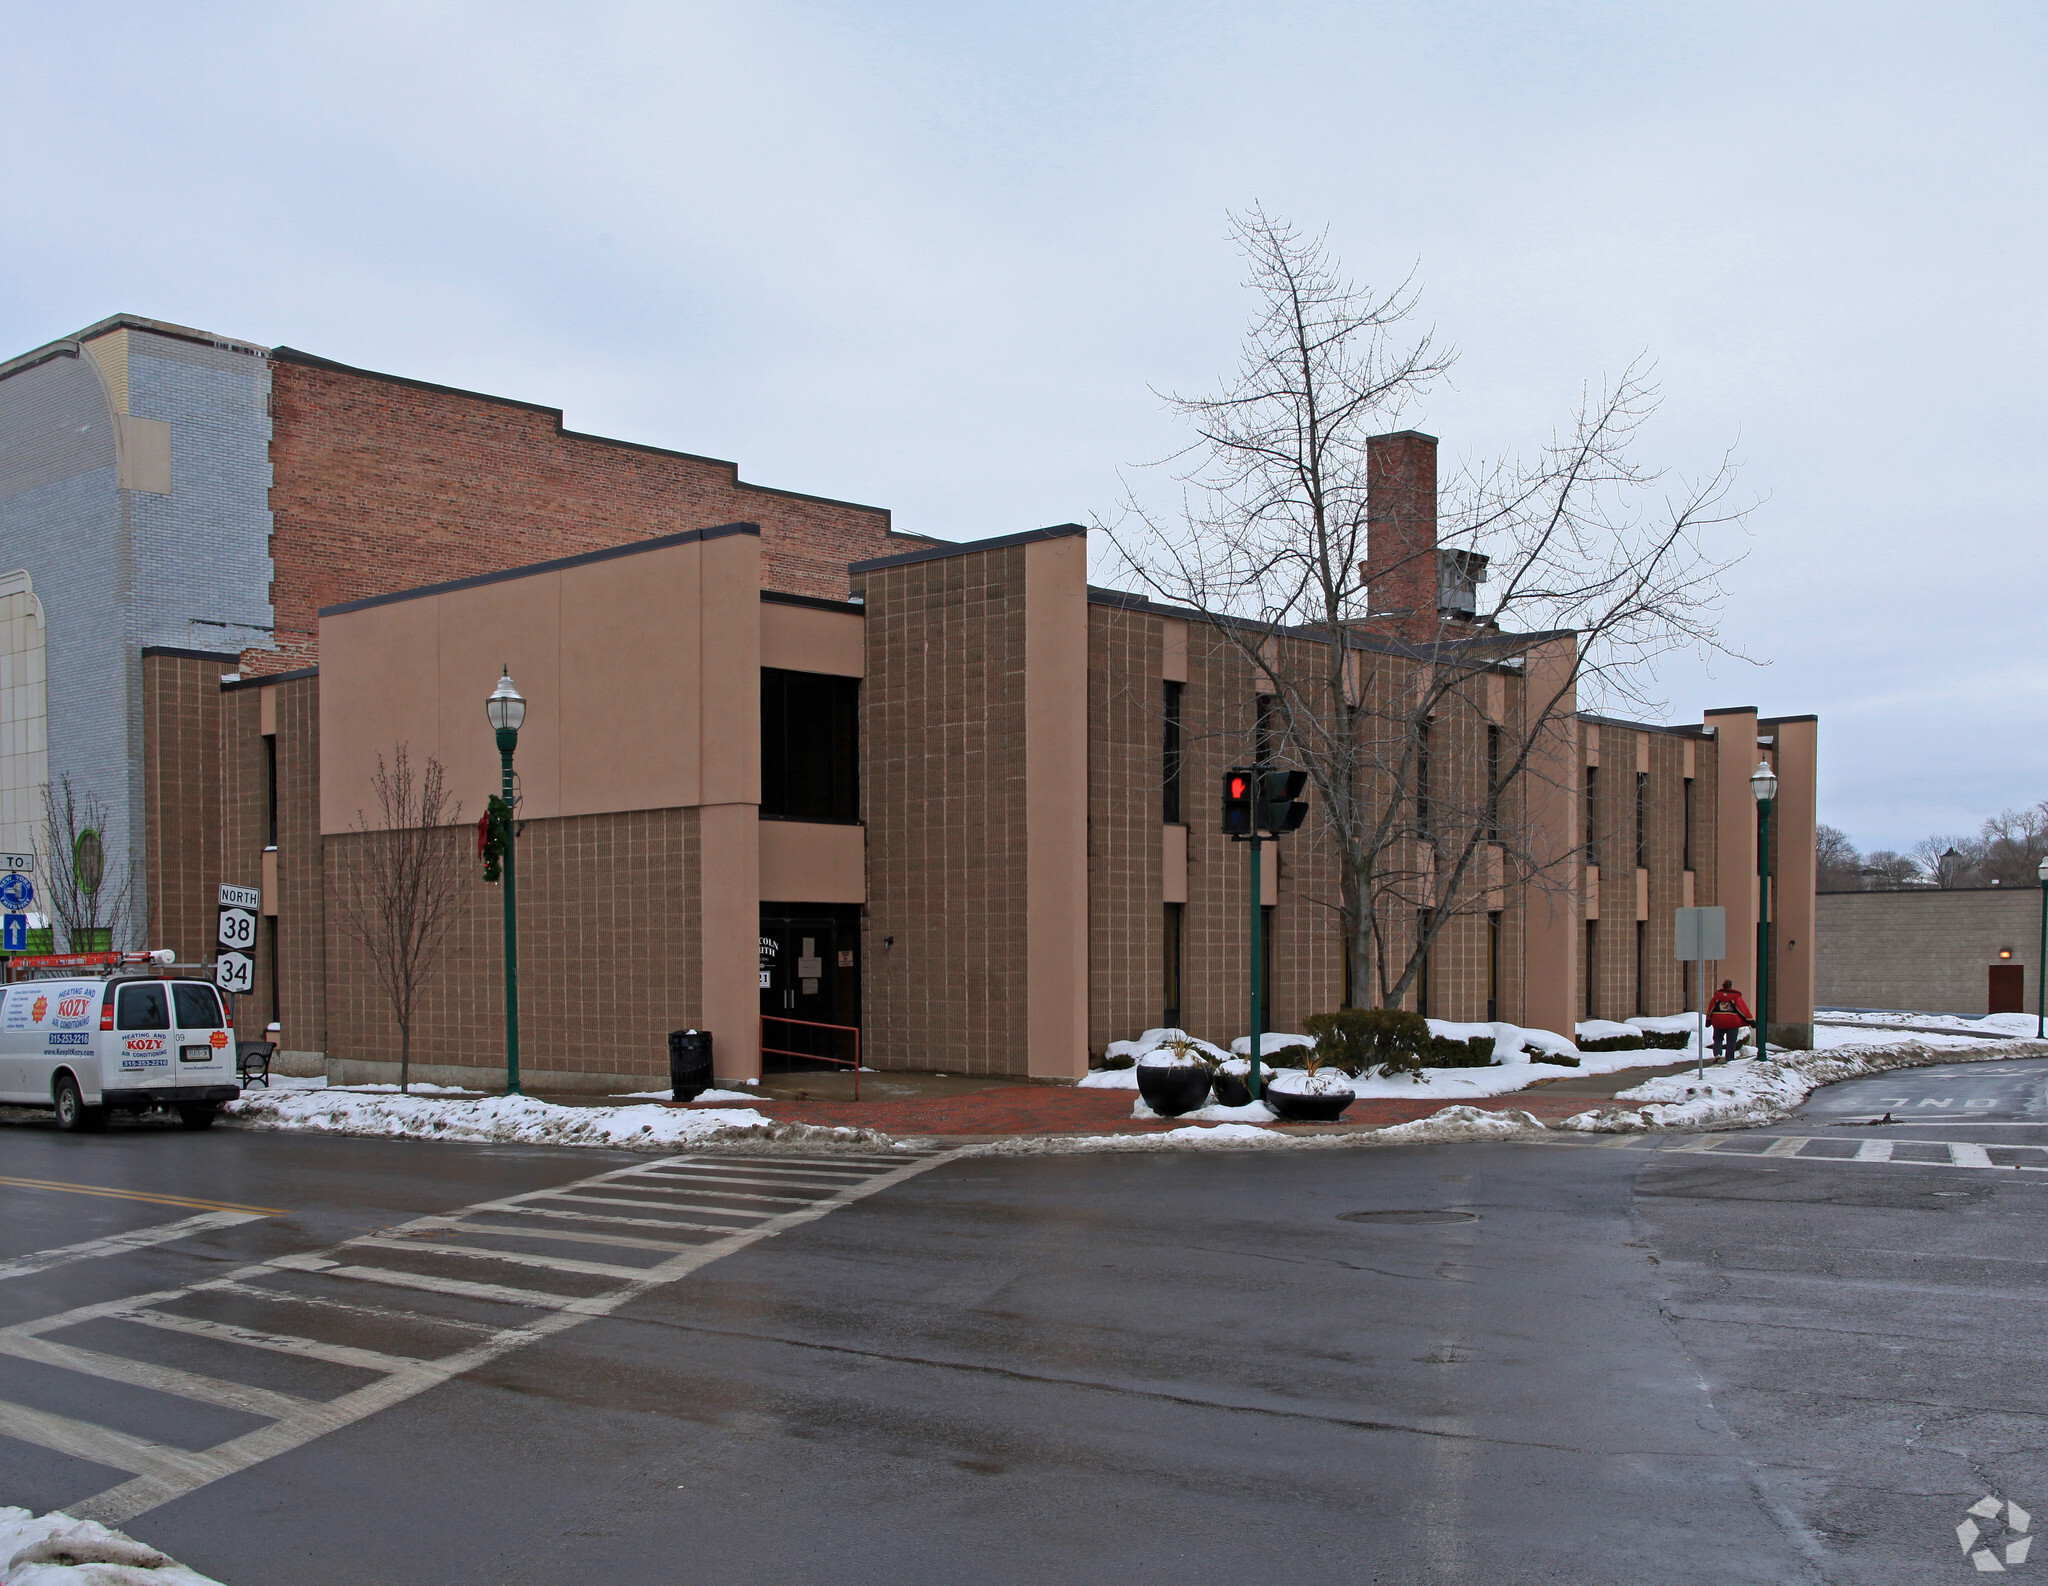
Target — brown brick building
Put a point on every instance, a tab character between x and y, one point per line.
783	769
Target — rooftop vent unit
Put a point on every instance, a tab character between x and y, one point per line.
1458	577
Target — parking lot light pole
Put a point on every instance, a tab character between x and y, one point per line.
2041	963
506	709
1763	782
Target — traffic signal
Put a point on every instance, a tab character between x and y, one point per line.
1237	802
1280	807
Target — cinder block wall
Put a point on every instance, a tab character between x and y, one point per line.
943	795
1928	952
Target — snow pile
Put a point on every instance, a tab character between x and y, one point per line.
1270	1044
57	1550
1666	1023
513	1119
1512	1044
1749	1092
1604	1030
1323	1082
701	1096
419	1087
1214	1112
1451	1124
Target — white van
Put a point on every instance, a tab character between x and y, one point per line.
85	1047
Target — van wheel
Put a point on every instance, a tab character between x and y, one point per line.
73	1116
200	1117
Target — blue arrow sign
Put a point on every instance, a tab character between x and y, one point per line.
14	933
17	892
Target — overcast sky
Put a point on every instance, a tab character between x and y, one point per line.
932	256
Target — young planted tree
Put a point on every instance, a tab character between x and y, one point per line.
400	880
1425	676
85	889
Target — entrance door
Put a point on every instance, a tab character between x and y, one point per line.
810	977
2008	990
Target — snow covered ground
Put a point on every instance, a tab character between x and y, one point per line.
516	1119
56	1550
2003	1025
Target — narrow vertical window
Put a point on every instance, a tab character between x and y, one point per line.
1685	841
1422	973
270	789
1493	784
1642	820
1592	801
1422	779
1262	733
1592	963
1493	966
1642	933
1170	1014
270	934
1170	748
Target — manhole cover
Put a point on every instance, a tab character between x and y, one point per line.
1408	1217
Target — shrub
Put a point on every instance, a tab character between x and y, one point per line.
1370	1040
1611	1043
1121	1060
1443	1052
1667	1040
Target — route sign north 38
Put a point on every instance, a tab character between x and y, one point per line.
235	970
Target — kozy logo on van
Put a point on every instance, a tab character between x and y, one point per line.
145	1043
74	1009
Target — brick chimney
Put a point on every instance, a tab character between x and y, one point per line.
1400	566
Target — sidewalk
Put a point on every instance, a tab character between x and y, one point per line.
994	1110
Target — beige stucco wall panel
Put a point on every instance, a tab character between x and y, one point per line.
804	639
730	908
516	622
1735	880
1173	863
809	862
1056	818
628	685
379	686
1794	871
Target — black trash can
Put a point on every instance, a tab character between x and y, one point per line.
689	1063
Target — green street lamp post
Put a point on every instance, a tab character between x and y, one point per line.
506	709
1763	782
2041	963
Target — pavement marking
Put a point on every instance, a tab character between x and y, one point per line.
158	1474
1959	1153
140	1195
116	1244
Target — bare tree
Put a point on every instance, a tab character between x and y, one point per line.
2013	844
1424	739
400	880
88	891
1891	872
1839	865
1949	861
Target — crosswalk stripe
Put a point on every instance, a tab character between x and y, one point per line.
1873	1151
507	1209
501	1293
105	1446
580	1236
281	1343
709	1180
163	1379
118	1244
662	1206
523	1258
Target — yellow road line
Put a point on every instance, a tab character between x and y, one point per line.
139	1195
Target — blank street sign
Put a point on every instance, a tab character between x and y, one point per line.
1702	933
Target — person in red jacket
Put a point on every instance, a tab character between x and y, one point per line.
1729	1015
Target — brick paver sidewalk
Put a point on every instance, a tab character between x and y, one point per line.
1060	1109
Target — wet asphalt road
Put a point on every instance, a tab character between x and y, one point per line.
1627	1361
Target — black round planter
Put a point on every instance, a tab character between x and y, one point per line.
1231	1091
1173	1091
1297	1108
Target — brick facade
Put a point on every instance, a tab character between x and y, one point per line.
384	484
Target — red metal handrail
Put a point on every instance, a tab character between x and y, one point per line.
816	1057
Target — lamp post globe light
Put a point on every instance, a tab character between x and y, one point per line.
506	710
1763	782
2041	963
